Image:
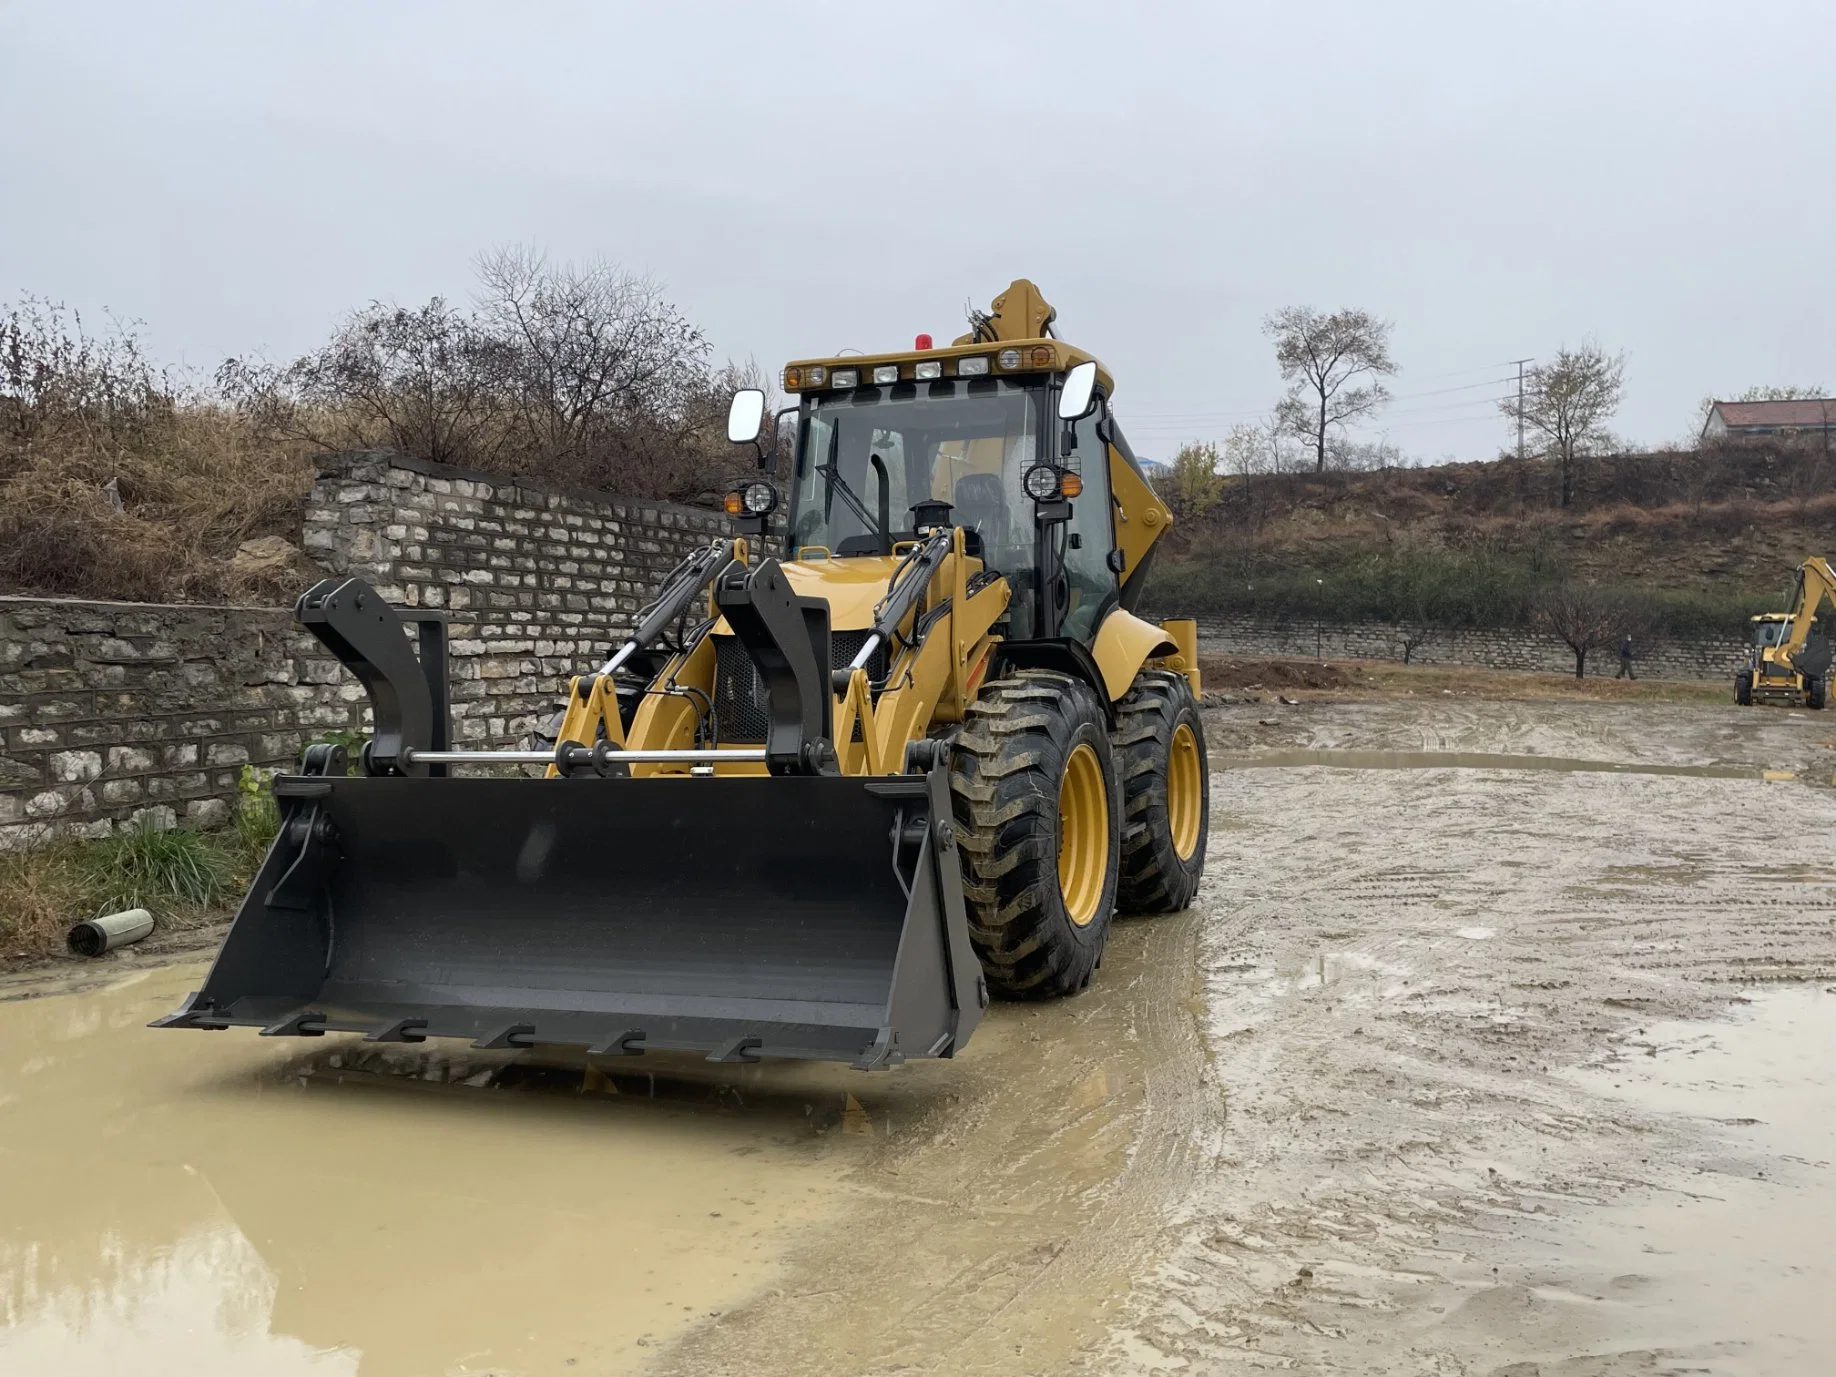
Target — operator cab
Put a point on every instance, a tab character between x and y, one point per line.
1017	462
1769	628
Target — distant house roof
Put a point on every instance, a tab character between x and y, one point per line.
1806	412
1813	413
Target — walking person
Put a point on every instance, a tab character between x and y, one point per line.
1625	658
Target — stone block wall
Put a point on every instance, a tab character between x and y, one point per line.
1515	648
540	582
112	713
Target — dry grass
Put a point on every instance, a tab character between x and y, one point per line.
194	484
41	895
187	878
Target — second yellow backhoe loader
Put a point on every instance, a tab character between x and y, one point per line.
817	805
1788	655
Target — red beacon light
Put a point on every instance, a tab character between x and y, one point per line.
922	342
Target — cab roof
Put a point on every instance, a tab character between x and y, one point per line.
1003	359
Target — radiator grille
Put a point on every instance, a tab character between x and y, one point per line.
739	694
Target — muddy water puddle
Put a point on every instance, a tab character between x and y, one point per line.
1732	1265
175	1202
1347	759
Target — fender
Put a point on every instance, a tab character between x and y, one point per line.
1124	643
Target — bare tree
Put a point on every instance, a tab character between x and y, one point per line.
604	366
427	381
1568	401
1323	358
1586	617
579	373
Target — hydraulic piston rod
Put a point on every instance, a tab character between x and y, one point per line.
752	755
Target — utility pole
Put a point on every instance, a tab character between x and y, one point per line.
1520	406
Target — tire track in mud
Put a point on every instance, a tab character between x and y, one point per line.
1407	968
998	1235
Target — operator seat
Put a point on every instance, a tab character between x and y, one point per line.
981	507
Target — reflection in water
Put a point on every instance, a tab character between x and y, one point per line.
184	1203
200	1306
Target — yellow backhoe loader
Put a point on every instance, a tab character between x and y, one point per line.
819	804
1788	654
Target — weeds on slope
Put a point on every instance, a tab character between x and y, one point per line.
184	875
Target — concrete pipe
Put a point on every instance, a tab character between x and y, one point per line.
97	935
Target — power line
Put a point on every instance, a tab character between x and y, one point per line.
1198	417
1186	426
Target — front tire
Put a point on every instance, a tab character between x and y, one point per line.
1816	692
1743	688
1160	755
1035	797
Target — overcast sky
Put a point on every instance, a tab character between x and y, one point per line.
1497	179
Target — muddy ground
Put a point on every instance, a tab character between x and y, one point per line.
1499	1043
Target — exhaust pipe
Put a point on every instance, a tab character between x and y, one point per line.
94	936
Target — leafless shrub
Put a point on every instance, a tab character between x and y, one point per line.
1586	617
576	373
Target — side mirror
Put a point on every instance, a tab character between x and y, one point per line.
1075	397
745	416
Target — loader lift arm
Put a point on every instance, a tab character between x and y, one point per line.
1816	582
681	589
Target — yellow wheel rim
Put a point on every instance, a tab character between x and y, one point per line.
1083	835
1185	792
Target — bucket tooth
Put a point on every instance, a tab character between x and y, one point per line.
399	1030
306	1023
511	1035
629	1043
745	1047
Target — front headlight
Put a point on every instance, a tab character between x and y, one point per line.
1041	482
759	499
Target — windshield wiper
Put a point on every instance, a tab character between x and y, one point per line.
831	473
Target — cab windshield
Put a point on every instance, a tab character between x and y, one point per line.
869	455
1768	633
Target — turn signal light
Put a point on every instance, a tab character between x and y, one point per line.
1070	485
734	504
1042	356
814	375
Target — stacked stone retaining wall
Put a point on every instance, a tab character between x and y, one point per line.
113	713
117	713
539	581
1487	648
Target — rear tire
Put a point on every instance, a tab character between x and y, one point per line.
1034	793
1160	756
1743	688
1816	692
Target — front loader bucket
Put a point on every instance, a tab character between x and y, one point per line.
791	916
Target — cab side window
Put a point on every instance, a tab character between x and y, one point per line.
1089	535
